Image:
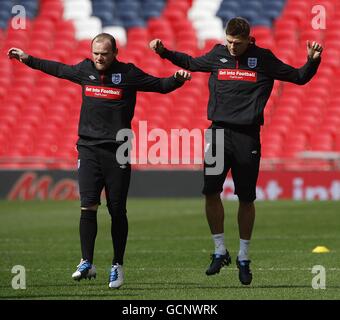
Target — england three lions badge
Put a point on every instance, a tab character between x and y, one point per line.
252	62
116	78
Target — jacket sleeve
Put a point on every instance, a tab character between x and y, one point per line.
56	69
202	63
278	70
145	82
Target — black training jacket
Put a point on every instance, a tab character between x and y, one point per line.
240	87
109	98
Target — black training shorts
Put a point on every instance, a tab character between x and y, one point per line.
99	168
242	153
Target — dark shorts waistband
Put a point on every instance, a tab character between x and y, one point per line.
236	127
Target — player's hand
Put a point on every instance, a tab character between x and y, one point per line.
314	50
15	53
182	75
157	46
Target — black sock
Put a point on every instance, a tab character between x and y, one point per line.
88	233
119	233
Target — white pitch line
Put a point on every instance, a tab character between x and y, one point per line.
174	269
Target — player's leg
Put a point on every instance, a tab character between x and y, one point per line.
215	214
246	218
90	187
117	181
245	169
213	186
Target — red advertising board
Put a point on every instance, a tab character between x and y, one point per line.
319	185
272	185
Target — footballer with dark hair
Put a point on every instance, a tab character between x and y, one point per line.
241	80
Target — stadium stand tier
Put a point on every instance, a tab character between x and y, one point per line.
39	114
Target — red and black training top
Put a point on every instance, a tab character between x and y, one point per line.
240	86
108	98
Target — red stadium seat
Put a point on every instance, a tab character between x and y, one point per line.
183	27
138	34
180	121
285	24
311	35
156	121
42	23
157	24
51	10
337	142
48	108
43	35
321	142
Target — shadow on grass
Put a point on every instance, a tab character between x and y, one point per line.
176	286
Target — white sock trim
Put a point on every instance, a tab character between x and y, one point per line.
219	243
244	248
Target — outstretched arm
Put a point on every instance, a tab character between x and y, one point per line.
53	68
314	50
20	55
157	46
203	63
145	82
276	69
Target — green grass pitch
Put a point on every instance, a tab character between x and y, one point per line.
168	250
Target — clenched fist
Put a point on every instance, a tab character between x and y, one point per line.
182	75
157	46
15	53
